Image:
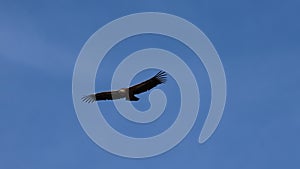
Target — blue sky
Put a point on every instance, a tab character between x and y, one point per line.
258	43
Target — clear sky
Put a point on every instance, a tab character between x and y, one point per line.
258	43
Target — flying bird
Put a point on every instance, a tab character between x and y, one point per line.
128	93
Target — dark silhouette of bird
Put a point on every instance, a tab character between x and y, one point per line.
128	93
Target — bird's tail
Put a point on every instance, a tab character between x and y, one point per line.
132	98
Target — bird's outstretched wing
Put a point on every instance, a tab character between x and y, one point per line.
111	95
159	78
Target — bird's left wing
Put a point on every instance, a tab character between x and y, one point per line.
111	95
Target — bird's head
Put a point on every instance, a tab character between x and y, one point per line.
123	91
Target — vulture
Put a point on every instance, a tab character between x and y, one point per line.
128	93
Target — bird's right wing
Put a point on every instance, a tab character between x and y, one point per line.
159	78
111	95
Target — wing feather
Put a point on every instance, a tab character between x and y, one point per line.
159	78
111	95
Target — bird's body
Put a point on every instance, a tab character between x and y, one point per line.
128	93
